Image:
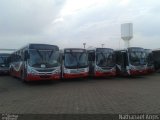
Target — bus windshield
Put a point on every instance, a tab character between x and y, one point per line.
75	59
4	61
137	57
47	58
105	59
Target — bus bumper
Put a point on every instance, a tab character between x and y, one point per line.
150	70
78	75
4	71
138	72
31	77
105	74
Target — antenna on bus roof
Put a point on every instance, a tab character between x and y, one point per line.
102	45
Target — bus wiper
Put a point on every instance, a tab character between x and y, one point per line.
142	61
74	57
40	54
105	59
78	64
50	54
103	55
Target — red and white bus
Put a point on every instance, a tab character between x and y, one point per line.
101	62
74	63
131	61
36	62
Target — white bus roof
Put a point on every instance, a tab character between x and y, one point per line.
94	48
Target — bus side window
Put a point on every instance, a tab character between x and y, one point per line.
91	56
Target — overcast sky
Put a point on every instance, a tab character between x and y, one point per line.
70	23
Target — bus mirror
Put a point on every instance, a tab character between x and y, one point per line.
26	55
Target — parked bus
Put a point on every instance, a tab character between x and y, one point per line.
156	59
74	63
36	62
4	63
150	62
101	62
131	61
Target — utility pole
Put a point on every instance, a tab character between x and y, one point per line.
102	45
84	44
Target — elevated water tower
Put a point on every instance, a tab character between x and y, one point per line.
127	33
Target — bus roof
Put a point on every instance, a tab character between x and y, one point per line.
74	50
94	48
43	46
135	48
125	49
156	49
38	46
4	54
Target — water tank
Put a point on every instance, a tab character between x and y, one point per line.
127	33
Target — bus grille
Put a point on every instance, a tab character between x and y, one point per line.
77	71
45	70
45	76
73	71
140	67
106	68
81	70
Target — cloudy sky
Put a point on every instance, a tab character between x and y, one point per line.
70	23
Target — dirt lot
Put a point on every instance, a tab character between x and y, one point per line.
110	95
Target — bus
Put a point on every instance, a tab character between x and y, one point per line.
36	62
74	63
101	62
150	61
131	61
156	59
4	63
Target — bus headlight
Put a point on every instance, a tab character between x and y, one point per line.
57	71
99	69
132	67
32	71
113	69
66	70
87	69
